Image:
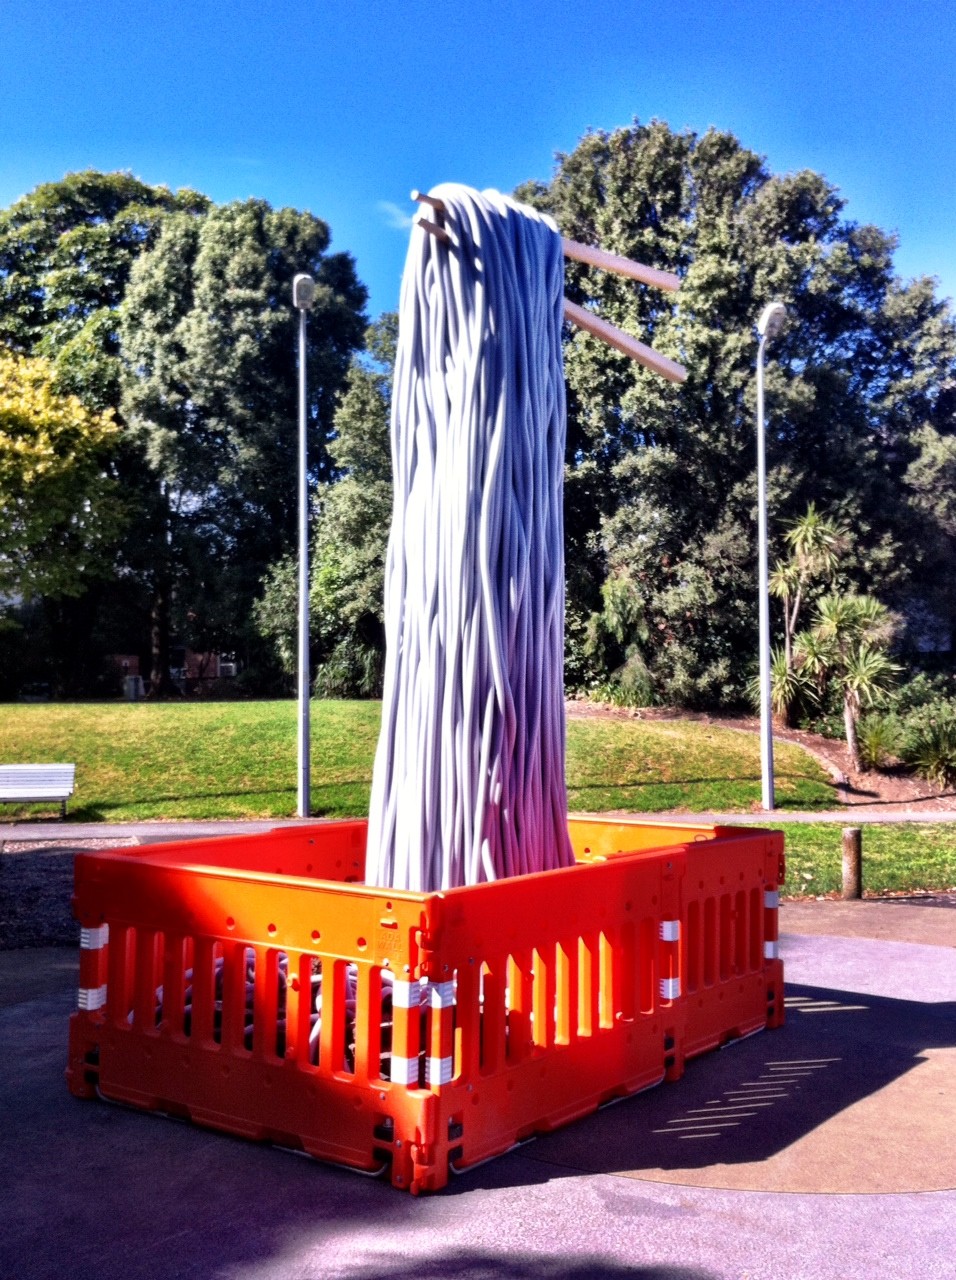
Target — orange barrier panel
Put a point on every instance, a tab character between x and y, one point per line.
253	984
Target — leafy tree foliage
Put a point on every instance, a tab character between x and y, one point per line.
177	315
208	338
66	251
60	510
660	479
351	532
931	485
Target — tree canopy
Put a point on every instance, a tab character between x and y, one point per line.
208	343
60	511
351	527
661	493
176	314
66	252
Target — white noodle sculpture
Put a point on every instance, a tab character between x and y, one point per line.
469	783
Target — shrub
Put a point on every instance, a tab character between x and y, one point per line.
921	691
929	742
878	738
352	670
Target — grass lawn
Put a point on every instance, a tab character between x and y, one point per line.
896	857
137	761
652	766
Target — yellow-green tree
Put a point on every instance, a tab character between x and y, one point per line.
60	509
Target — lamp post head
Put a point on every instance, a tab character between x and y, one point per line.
771	319
303	292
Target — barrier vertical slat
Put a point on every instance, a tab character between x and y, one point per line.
332	1036
174	984
144	992
588	986
543	998
520	1006
265	1002
233	1031
725	937
203	1018
740	932
492	1028
624	970
692	945
566	991
607	977
756	925
406	1031
468	1022
294	1041
368	1030
710	941
439	1064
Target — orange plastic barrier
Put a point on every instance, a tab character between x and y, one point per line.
254	984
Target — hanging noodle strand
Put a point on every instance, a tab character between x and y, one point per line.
469	783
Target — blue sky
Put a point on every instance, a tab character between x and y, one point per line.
343	108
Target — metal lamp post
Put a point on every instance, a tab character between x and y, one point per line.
771	319
303	295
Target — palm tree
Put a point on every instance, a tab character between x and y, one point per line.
789	684
849	644
815	543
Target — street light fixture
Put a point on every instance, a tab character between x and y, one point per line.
769	324
303	296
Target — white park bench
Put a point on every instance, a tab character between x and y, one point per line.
36	783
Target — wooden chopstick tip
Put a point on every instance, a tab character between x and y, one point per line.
433	229
421	198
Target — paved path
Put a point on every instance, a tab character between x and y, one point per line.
69	832
821	1151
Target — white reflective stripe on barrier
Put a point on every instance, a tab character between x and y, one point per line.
771	898
670	988
406	995
91	998
404	1070
438	1070
670	930
441	995
771	950
94	939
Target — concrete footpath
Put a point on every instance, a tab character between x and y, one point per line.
826	1148
184	829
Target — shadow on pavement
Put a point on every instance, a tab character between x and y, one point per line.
757	1097
486	1265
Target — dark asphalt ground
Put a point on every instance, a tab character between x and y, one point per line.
846	1168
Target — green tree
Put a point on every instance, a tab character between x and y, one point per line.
353	513
848	646
661	479
815	544
66	251
208	341
60	510
931	487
